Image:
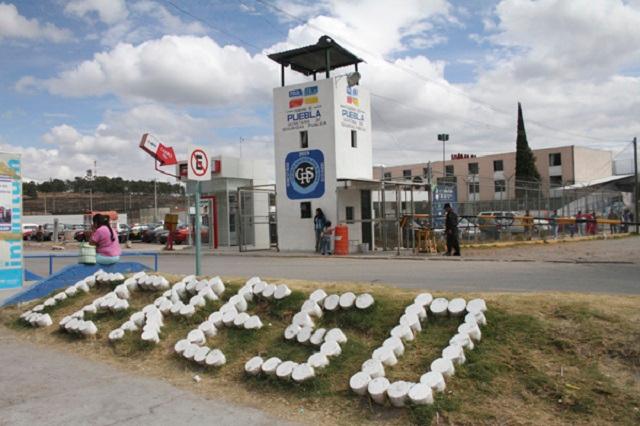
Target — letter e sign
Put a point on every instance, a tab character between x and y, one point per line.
198	164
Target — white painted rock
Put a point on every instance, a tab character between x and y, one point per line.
378	389
181	346
216	319
412	321
476	305
373	368
385	355
215	358
312	308
291	331
45	321
402	332
397	392
240	319
443	366
259	287
284	370
318	360
71	291
304	334
420	394
364	301
116	334
254	365
347	300
439	306
454	353
462	339
336	335
50	302
281	292
270	365
395	344
229	316
150	336
457	307
302	319
434	380
318	296
88	328
253	323
217	286
196	336
359	383
331	302
187	310
318	336
331	348
476	317
201	354
423	299
473	330
416	309
239	302
208	328
197	301
269	291
302	372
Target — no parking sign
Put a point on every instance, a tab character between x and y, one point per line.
198	164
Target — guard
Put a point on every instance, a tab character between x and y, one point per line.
451	230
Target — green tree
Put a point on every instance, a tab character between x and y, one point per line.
30	189
527	176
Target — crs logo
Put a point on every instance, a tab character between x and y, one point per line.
305	174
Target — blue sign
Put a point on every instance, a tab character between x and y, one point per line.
305	174
11	266
443	194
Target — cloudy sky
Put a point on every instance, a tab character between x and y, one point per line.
82	80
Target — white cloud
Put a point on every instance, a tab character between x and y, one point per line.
108	11
14	25
179	69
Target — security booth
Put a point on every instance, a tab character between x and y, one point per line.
219	203
323	149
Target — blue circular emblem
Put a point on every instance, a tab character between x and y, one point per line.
304	175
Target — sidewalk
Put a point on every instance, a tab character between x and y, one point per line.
39	385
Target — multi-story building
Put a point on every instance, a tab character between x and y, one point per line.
492	177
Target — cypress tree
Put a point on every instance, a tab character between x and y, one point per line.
527	176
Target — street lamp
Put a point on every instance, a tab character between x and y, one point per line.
443	137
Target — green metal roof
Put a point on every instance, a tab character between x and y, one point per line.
312	59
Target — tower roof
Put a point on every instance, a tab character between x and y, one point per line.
323	56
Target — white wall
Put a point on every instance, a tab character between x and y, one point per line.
67	219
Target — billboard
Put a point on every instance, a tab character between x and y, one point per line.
442	194
304	172
304	109
11	264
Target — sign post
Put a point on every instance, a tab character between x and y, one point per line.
11	264
198	170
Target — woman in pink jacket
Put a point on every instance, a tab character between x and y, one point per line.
106	241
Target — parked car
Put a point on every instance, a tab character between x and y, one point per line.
466	229
149	235
28	229
137	230
181	234
123	232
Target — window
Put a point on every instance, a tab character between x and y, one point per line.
406	173
473	168
387	176
474	187
500	185
448	170
305	210
354	139
349	214
555	181
555	159
498	166
304	139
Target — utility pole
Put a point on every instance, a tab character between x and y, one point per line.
155	200
443	137
635	180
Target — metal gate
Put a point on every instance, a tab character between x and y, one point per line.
257	220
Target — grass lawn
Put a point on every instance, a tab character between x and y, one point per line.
545	358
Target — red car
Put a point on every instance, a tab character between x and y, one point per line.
181	235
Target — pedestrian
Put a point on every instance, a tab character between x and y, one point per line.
594	223
554	224
326	234
612	217
528	225
40	234
105	240
451	231
580	222
319	220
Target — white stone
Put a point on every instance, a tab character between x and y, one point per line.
190	351
254	365
373	368
302	319
50	302
439	306
476	305
443	366
259	287
215	358
402	332
457	307
397	392
476	317
423	299
412	321
347	300
268	291
304	334
462	339
71	291
187	310
116	334
216	319
284	369
239	302
303	372
434	380
181	346
331	302
359	383
385	355
196	336
364	301
201	354
281	292
318	296
420	394
228	317
318	336
253	323
336	335
473	330
378	389
416	309
270	365
197	301
311	308
454	353
208	328
291	331
331	348
395	344
318	360
241	319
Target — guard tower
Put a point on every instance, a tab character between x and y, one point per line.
323	151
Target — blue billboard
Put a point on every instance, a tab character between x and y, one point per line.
443	194
304	174
11	266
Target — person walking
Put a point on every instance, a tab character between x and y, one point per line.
327	232
319	221
451	231
105	240
554	224
581	223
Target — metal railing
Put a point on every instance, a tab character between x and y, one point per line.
51	258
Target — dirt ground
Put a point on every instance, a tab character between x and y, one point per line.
608	250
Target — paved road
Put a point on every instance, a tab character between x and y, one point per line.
454	275
42	386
